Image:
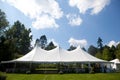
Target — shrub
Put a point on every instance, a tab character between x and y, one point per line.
2	76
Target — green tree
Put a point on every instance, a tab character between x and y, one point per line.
113	51
71	48
20	36
50	46
99	43
43	41
92	50
106	54
7	50
98	55
118	51
37	42
3	23
4	49
83	48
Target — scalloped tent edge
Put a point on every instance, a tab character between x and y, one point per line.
57	55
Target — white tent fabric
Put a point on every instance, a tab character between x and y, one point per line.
41	55
79	55
57	55
116	64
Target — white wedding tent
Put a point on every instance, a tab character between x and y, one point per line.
116	64
57	55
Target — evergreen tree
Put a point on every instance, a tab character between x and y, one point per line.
37	42
99	43
113	51
71	48
92	50
50	46
83	48
43	41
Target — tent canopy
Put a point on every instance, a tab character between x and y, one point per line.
57	55
116	64
116	61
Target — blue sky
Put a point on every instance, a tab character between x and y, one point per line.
68	22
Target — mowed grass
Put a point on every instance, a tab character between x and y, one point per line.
97	76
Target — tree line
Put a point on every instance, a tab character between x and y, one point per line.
104	52
15	41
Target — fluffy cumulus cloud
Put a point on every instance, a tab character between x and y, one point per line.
44	13
75	42
113	43
95	6
74	20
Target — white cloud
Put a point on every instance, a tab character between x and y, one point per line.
113	43
74	20
45	21
43	12
95	6
75	42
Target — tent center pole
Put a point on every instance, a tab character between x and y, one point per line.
14	68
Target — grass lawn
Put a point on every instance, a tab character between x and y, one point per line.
97	76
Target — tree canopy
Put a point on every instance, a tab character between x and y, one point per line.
13	39
43	41
3	21
99	43
92	50
50	46
117	53
21	37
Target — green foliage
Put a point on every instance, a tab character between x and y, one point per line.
98	55
106	54
118	51
20	37
92	50
71	48
14	39
7	49
3	22
43	41
99	43
50	46
112	52
83	48
4	43
2	76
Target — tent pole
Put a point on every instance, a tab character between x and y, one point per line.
110	68
14	67
76	67
30	66
89	66
102	66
